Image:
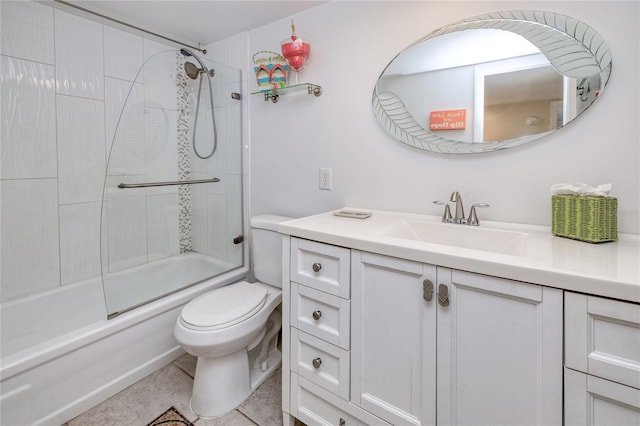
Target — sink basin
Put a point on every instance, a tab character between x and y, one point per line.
463	236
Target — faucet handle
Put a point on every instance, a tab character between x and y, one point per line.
473	217
446	216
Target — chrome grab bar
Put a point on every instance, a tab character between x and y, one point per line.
175	182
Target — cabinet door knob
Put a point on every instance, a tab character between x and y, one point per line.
317	315
316	267
317	362
443	295
342	422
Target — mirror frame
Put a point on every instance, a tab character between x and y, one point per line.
572	47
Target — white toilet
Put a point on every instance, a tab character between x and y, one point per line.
233	330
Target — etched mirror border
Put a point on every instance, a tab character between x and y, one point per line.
572	47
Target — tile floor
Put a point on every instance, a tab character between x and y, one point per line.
145	400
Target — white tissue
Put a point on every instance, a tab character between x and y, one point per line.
580	188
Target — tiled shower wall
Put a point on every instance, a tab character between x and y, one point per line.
64	80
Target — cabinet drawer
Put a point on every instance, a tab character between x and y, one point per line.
320	362
321	266
321	315
316	407
603	338
594	401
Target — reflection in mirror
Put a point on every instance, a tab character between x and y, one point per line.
492	82
517	97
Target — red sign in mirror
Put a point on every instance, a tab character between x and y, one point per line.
453	119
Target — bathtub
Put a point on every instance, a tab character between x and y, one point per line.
73	358
133	287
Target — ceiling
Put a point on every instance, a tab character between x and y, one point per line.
195	22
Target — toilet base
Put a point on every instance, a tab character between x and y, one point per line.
223	383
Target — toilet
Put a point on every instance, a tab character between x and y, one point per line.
233	330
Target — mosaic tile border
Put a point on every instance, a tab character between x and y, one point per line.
184	164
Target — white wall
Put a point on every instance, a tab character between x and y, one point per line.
351	44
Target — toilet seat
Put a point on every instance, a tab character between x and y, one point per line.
223	307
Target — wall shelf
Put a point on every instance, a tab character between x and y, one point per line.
273	95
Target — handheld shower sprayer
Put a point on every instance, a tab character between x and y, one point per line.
194	73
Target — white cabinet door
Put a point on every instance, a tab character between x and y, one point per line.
499	352
393	339
592	401
496	350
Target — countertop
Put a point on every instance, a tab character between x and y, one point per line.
610	269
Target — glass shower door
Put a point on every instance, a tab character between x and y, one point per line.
159	235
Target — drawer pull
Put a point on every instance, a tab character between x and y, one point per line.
316	362
443	295
317	315
342	422
316	267
427	290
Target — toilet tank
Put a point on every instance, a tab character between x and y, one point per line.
266	249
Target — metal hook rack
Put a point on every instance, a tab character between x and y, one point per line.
273	95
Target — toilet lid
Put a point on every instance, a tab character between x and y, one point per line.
225	306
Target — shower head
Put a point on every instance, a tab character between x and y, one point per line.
191	69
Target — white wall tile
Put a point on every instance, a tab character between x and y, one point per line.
152	48
218	231
28	96
199	218
79	56
233	51
81	149
79	241
28	237
162	223
160	72
26	31
123	54
125	128
127	229
161	144
217	164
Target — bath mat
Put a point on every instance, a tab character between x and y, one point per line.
171	417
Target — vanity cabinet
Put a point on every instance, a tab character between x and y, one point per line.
433	345
602	366
319	333
377	340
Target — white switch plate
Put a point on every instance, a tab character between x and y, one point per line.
325	178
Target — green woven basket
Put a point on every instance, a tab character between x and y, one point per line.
592	219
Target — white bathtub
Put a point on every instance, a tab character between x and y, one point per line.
72	357
135	286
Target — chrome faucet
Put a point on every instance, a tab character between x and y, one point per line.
459	216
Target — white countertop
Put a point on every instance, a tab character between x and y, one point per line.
610	269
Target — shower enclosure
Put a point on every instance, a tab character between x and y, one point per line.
172	200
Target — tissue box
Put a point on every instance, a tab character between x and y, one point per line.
585	218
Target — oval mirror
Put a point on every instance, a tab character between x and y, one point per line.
492	82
